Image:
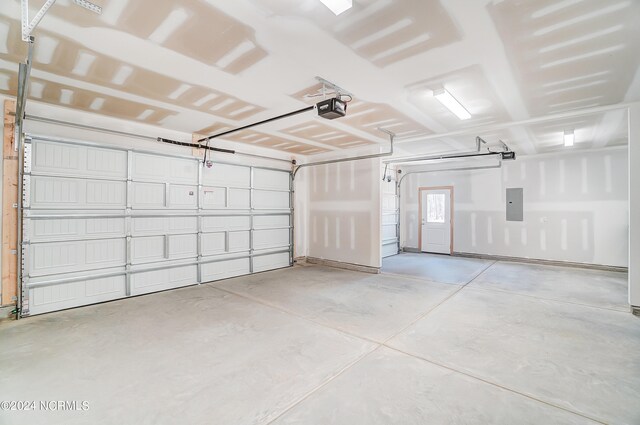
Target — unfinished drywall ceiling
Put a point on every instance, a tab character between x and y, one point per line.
192	27
86	100
384	31
570	54
466	83
206	65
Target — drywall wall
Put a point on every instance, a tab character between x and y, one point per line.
634	205
341	220
575	207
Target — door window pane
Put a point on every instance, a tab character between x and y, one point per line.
435	207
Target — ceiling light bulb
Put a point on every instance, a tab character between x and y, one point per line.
569	138
451	104
338	6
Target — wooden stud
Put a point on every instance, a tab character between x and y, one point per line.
9	213
194	139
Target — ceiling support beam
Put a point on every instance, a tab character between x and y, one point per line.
536	120
351	158
29	26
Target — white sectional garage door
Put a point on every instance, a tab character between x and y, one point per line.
102	223
390	213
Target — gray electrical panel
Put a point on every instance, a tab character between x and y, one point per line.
514	204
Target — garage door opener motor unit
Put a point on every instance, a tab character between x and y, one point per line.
332	108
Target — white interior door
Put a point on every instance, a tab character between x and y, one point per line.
436	220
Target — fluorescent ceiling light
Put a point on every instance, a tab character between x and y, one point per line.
338	6
569	138
451	104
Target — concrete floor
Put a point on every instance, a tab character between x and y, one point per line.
476	343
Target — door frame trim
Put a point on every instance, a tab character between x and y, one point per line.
451	223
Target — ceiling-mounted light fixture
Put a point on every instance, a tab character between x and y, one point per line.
338	6
569	138
89	6
451	103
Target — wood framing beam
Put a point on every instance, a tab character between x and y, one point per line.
9	213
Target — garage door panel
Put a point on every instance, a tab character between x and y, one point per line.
75	160
389	249
55	192
217	198
389	218
225	242
225	269
50	229
47	192
267	221
227	175
44	299
389	231
271	179
274	238
105	193
56	158
389	202
141	226
270	200
214	243
147	249
239	198
270	262
239	241
65	257
159	280
158	168
148	195
183	246
214	197
148	226
154	196
221	223
183	197
182	224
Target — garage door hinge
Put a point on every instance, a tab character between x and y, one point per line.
15	205
13	252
